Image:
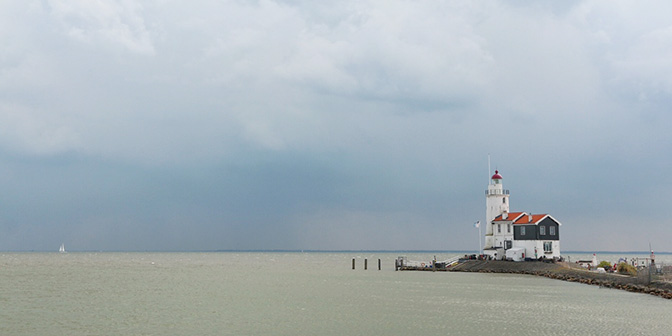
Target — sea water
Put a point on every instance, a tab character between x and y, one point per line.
300	294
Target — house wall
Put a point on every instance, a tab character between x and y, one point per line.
533	239
547	223
500	237
556	249
530	232
530	245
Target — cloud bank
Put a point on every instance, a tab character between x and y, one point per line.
160	125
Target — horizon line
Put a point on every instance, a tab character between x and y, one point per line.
307	251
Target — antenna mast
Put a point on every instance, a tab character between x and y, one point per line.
489	172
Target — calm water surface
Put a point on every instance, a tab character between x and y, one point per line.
299	294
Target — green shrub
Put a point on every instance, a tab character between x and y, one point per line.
606	265
624	268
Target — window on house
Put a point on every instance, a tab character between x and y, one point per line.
522	230
503	200
542	230
548	247
552	230
499	228
508	228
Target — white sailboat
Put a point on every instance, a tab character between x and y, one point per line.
62	248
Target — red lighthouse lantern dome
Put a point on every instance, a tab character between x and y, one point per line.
496	176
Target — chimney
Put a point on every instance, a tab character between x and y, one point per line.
529	216
505	215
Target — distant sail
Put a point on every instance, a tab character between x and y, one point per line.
62	248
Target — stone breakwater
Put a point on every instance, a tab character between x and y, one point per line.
569	272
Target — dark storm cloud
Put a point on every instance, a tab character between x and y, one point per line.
355	125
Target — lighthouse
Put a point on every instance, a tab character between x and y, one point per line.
517	235
497	203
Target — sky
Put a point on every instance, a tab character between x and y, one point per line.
165	125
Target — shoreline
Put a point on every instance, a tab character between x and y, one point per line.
566	272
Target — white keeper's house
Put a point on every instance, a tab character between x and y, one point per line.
518	235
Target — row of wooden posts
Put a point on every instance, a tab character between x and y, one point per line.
366	264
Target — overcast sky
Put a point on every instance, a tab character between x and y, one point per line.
300	124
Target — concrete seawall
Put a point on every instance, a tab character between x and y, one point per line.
568	272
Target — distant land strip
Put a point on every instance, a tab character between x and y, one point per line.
468	252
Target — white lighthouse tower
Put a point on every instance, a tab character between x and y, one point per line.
497	202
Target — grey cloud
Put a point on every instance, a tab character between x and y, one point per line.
288	124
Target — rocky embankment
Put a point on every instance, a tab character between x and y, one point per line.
568	272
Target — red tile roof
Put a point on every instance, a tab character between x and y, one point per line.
526	219
510	217
522	218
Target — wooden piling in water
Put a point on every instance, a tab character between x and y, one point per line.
353	263
366	263
379	264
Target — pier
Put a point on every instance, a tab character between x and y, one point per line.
403	264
